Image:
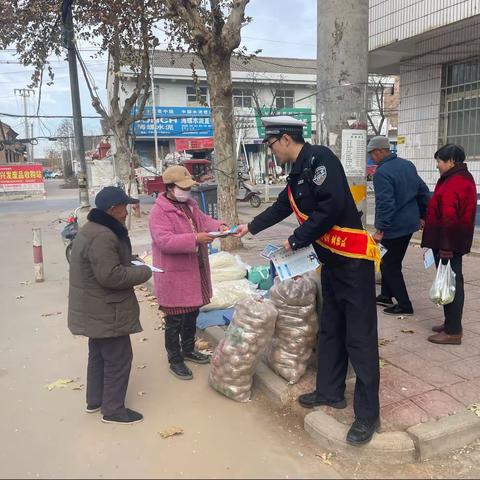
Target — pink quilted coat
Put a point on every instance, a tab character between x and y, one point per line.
174	250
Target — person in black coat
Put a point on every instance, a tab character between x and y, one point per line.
319	195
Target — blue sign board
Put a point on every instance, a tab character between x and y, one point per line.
175	122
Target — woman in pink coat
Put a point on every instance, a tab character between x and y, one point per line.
179	231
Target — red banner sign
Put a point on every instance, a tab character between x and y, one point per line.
193	144
21	177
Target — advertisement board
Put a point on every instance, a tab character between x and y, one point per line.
21	177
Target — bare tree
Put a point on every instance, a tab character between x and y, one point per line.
123	28
379	87
211	29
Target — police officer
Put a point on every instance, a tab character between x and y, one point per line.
318	194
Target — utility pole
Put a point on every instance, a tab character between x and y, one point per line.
69	40
26	93
342	88
158	162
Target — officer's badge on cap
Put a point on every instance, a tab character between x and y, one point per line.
281	124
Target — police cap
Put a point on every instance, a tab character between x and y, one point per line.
281	124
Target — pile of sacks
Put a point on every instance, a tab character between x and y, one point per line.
282	328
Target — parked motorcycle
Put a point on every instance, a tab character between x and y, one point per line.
247	193
69	231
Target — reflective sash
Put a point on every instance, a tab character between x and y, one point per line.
348	242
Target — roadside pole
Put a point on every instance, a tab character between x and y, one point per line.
76	108
38	255
342	88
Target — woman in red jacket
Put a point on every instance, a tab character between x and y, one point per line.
448	231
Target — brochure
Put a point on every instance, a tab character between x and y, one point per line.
224	234
294	262
138	263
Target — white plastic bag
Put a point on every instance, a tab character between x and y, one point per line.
227	294
237	355
224	266
443	288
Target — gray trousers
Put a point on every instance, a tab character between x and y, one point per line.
108	372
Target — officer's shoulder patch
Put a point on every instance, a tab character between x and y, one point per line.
320	175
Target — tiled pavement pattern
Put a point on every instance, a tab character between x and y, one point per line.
420	381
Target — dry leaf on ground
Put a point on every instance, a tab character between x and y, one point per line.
475	408
79	386
143	339
170	432
401	317
141	393
18	297
384	341
202	344
52	314
407	330
326	457
159	327
141	367
60	383
382	363
153	304
26	282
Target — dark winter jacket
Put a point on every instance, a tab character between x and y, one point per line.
451	214
320	190
102	302
401	197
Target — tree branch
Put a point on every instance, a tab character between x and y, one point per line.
231	30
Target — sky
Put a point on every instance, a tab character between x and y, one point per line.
279	27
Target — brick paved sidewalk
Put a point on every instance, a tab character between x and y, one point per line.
420	381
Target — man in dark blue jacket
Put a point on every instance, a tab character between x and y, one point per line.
401	199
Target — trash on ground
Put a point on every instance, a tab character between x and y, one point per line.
382	363
170	432
141	367
79	386
407	330
141	393
52	314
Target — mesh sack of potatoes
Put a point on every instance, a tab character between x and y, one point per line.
237	355
296	327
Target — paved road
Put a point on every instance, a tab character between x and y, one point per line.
46	434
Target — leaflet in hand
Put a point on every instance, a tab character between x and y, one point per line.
225	233
138	263
269	250
293	263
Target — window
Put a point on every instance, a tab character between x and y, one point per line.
242	97
460	115
284	98
196	96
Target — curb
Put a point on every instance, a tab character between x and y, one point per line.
418	443
390	447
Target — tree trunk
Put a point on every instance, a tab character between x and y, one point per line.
220	87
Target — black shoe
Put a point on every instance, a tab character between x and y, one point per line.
310	400
181	371
398	310
127	417
92	408
384	301
362	431
196	357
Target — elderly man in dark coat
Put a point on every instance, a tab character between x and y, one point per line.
102	303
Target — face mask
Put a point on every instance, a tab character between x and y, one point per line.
181	195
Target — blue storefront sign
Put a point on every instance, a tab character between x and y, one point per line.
175	122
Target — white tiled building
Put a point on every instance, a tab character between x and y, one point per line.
434	45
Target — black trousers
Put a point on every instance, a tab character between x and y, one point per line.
453	311
393	284
348	330
180	335
108	372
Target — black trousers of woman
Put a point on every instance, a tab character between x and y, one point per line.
180	335
453	311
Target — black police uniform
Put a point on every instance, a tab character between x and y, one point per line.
348	324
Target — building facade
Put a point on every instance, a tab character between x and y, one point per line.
434	46
262	86
10	151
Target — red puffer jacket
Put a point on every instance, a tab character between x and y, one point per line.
451	213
